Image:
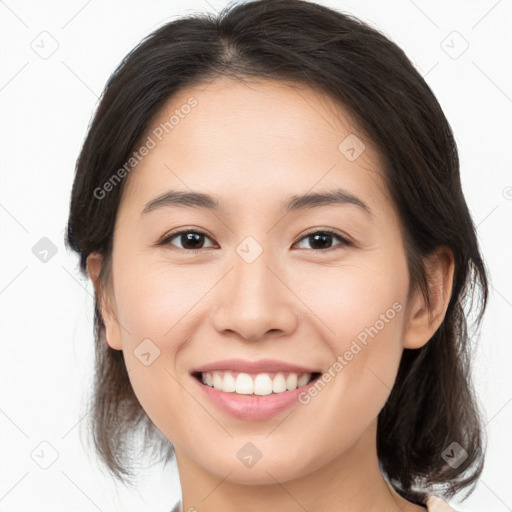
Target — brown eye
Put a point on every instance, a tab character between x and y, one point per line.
187	240
323	240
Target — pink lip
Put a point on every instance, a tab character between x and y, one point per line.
261	366
252	407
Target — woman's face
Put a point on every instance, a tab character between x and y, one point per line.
259	279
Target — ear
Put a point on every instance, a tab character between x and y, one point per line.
112	331
422	323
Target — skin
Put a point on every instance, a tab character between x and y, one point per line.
253	145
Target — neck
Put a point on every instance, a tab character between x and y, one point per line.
351	482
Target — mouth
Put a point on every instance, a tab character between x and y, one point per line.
256	384
253	390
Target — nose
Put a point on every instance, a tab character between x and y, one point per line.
254	301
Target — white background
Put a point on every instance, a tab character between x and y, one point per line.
47	308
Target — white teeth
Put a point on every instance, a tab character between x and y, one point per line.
244	384
228	383
279	383
303	380
291	382
217	380
262	383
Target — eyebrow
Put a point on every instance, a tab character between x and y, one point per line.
337	196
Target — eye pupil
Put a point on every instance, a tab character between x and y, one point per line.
319	236
192	238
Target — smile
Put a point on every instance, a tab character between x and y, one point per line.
253	390
260	384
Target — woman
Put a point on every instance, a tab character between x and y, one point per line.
269	206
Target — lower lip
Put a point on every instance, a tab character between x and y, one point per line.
253	407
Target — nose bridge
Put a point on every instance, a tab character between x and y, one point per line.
253	300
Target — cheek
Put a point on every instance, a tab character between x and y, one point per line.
355	302
366	315
155	301
154	308
361	314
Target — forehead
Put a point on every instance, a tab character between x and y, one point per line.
259	138
253	111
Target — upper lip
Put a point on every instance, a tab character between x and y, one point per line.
261	366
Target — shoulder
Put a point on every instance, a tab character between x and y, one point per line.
435	504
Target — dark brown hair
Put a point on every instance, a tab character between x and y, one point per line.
432	403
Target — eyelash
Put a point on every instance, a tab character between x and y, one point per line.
344	241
